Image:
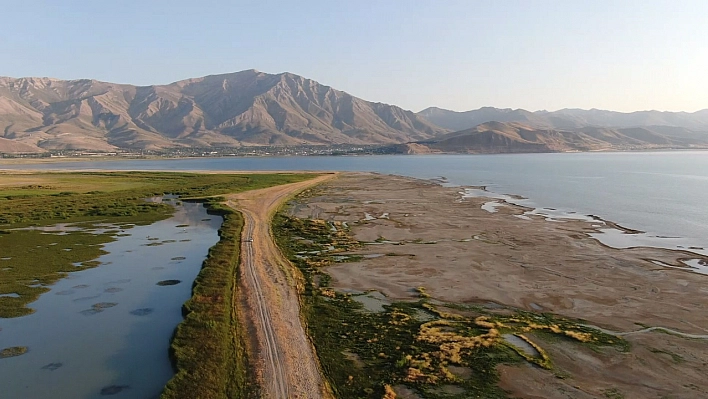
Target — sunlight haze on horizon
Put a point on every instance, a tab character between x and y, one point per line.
459	55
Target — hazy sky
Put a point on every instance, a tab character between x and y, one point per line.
460	55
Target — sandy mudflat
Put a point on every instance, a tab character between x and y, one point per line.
462	253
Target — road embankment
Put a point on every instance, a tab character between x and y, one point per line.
283	357
207	348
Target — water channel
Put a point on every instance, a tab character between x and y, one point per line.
105	332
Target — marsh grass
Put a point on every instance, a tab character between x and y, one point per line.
613	393
386	344
38	259
365	353
119	196
674	356
207	348
13	351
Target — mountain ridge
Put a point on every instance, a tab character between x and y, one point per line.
253	108
515	137
566	118
230	110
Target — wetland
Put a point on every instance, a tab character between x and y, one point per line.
411	288
110	326
96	270
470	303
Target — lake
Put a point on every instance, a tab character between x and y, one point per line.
107	330
661	193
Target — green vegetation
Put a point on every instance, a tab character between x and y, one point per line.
438	351
674	356
32	260
208	347
613	393
13	351
116	196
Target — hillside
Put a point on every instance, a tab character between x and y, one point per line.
567	118
239	109
514	137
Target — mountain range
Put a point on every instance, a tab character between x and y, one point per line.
565	118
515	137
252	108
231	110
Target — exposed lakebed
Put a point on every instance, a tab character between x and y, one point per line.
106	331
609	234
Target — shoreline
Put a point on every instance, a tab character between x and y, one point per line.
679	218
583	229
608	233
650	234
611	234
603	234
431	244
59	160
210	339
105	158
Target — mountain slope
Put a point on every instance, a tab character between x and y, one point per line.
465	120
250	108
242	108
514	137
566	118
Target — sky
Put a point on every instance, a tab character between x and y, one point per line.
459	55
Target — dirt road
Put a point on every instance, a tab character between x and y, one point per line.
286	364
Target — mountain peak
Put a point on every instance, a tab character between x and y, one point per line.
241	108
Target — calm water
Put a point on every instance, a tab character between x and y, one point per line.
662	193
76	352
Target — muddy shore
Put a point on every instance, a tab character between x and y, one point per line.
437	239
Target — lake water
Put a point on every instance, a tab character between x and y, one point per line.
661	193
106	330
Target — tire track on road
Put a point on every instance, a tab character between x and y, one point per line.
278	377
284	357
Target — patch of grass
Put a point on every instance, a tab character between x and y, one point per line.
13	351
674	356
422	293
554	328
563	328
34	260
613	393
